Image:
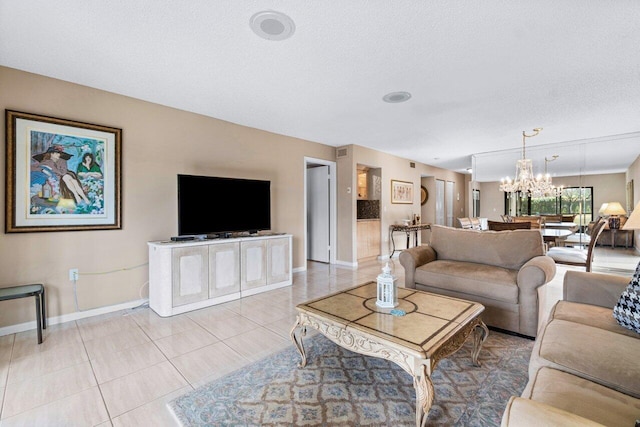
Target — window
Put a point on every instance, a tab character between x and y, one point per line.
572	201
576	201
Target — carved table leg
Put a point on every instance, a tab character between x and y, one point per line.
480	334
297	340
424	395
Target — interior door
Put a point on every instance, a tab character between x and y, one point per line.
449	201
318	213
439	202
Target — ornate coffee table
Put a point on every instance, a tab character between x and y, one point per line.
433	328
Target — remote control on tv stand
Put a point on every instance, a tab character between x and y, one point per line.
182	238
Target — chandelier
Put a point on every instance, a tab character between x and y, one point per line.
525	182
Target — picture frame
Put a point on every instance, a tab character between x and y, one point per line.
401	192
61	175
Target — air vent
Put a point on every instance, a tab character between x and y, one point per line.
412	165
341	152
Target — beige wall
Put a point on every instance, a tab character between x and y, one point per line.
396	168
158	143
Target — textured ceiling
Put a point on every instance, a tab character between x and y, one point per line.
479	72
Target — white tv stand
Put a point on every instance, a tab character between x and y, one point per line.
188	275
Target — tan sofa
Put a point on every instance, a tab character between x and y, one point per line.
503	270
584	368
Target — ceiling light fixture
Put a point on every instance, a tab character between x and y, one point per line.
525	181
395	97
272	25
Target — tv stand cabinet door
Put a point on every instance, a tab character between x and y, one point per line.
279	259
253	264
224	269
190	274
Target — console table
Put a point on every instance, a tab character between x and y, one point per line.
625	233
186	276
409	230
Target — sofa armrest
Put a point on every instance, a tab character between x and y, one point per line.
532	275
522	412
536	272
413	258
599	289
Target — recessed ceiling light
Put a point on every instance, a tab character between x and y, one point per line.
272	25
395	97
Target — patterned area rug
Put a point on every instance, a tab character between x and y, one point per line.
339	387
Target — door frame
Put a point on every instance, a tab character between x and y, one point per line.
333	216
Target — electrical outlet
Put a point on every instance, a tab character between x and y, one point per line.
73	274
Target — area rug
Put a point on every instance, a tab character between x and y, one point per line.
342	388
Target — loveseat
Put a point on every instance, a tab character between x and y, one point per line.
503	270
584	368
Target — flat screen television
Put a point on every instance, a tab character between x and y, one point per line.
216	206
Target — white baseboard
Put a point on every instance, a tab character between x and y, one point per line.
346	263
21	327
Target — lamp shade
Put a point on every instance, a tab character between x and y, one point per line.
614	208
602	208
633	223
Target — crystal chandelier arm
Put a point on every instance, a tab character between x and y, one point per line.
536	131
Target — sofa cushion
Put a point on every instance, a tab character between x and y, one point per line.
506	249
627	309
583	398
589	352
529	413
491	282
567	255
590	315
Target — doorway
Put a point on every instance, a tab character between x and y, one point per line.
320	210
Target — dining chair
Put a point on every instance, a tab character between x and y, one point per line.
578	256
534	220
502	226
475	223
465	223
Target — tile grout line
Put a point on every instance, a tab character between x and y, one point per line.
6	380
166	360
95	377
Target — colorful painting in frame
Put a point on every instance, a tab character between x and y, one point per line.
61	175
401	192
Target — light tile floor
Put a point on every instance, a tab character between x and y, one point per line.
122	368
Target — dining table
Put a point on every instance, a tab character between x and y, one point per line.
564	225
550	235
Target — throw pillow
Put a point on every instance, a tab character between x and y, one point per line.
627	310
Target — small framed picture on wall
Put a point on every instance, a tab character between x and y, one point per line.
401	192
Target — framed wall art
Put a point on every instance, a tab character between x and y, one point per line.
61	175
401	192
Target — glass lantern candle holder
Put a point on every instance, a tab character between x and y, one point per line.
387	289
